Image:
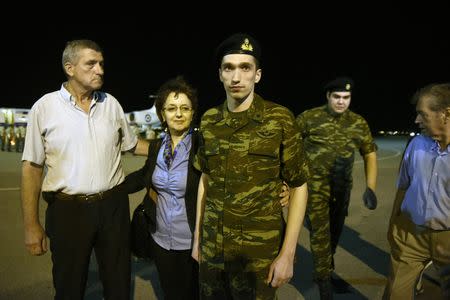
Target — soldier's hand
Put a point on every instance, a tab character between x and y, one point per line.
285	194
195	253
281	271
370	199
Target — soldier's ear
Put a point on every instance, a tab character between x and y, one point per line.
220	75
258	75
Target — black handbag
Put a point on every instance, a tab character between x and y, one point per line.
140	233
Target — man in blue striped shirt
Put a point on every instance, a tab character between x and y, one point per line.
419	229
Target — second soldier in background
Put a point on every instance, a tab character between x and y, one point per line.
331	134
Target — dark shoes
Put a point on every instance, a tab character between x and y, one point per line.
332	285
325	289
340	286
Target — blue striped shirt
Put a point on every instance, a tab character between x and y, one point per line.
425	175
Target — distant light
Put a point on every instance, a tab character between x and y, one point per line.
397	133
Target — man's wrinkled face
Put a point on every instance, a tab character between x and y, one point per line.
88	71
431	123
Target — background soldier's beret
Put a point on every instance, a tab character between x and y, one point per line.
340	84
238	43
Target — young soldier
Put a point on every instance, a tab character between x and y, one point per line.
250	146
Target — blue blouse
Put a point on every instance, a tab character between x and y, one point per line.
172	229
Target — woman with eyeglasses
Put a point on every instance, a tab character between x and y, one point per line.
169	172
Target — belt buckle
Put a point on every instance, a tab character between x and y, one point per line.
94	197
89	198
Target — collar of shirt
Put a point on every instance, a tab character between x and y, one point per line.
434	147
97	96
255	112
184	140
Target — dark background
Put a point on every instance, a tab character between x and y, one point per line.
389	52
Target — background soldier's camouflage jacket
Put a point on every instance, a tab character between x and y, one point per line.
330	143
247	155
329	140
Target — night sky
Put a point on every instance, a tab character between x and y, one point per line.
389	55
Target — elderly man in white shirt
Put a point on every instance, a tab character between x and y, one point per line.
77	135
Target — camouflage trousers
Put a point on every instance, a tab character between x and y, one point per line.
326	212
217	284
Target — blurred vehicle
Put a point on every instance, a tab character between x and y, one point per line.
145	123
13	122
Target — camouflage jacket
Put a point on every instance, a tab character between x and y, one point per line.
329	139
247	156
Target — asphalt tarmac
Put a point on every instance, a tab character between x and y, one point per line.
362	258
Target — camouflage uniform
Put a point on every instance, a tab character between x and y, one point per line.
330	142
247	155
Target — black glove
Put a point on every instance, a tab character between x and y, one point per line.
370	199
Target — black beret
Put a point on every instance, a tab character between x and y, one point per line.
238	43
340	84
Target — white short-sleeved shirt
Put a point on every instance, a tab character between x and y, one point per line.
81	152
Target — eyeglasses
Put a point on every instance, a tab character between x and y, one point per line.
174	109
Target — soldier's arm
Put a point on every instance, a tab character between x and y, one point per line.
201	195
371	170
35	238
282	268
